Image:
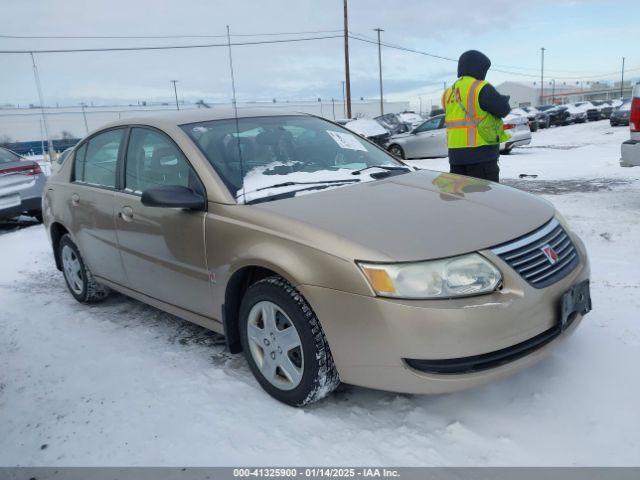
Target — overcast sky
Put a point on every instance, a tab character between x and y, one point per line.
583	39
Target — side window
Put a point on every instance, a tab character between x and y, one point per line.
78	166
431	124
153	160
100	159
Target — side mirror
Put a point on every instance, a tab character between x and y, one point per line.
173	196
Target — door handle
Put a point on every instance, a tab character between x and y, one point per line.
75	199
126	214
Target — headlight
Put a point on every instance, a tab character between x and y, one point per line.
459	276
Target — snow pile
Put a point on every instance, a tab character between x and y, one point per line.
366	127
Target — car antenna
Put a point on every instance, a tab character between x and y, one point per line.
235	112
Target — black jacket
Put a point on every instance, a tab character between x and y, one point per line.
476	64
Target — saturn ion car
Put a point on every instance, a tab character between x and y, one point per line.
315	252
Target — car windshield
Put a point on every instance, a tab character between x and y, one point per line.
266	157
7	156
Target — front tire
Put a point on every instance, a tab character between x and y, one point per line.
77	275
396	151
284	344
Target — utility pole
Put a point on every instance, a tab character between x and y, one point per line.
175	92
380	69
622	80
84	115
44	118
542	76
347	77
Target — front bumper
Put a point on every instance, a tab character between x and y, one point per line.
630	153
370	337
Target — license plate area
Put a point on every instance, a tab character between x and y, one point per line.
576	300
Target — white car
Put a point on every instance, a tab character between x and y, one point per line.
518	127
631	148
369	129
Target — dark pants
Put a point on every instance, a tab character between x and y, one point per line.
485	170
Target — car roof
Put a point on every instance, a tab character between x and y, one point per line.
175	118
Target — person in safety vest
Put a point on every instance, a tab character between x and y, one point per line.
473	117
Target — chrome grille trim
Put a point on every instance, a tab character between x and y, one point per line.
525	255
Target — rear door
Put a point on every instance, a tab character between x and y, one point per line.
91	197
163	249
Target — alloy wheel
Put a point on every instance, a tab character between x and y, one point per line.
72	269
275	345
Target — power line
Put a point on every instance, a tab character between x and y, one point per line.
71	37
529	75
168	47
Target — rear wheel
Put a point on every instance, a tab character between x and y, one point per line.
396	151
77	275
284	344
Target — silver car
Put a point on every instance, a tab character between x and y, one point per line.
425	141
21	185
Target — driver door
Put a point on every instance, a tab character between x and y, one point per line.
163	249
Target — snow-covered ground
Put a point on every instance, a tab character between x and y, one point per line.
121	383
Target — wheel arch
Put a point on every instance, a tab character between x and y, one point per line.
57	231
239	281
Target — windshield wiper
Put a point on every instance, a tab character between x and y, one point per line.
319	182
287	194
383	167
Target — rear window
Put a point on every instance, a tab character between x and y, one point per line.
7	156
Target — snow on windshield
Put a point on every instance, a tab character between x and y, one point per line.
259	181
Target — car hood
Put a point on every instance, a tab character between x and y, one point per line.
415	216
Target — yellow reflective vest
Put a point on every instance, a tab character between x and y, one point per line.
468	125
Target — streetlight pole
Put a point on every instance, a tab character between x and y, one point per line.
542	75
347	76
36	76
175	92
622	80
380	70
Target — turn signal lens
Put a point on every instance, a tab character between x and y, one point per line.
380	280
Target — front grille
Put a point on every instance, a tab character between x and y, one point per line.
527	257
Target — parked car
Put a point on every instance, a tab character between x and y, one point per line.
392	123
412	119
577	112
531	117
631	148
21	185
620	115
601	110
542	119
427	140
558	115
316	253
518	127
370	129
